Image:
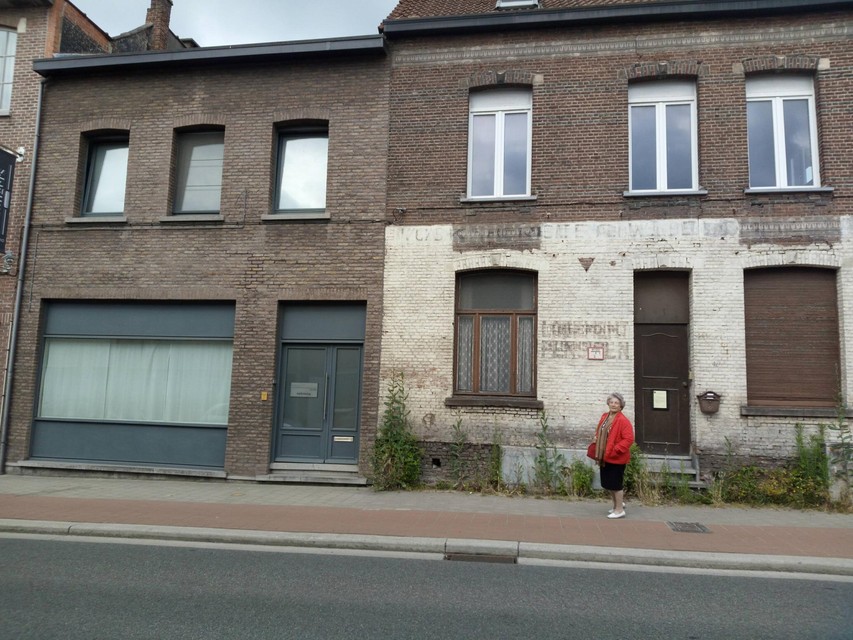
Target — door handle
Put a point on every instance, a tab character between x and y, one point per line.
326	399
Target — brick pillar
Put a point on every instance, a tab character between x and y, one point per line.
159	15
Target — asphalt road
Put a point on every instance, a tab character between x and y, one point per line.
70	590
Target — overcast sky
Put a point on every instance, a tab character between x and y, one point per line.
222	22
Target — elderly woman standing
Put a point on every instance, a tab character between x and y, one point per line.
613	438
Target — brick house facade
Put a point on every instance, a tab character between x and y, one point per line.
29	29
200	319
619	158
521	208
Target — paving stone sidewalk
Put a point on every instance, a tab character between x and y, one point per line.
360	511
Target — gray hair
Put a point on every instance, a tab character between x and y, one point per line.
619	397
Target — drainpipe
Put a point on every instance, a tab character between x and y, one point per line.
19	289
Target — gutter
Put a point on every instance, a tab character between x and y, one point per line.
658	12
252	53
19	289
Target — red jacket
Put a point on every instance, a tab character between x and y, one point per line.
619	440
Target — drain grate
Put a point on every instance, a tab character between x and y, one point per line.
480	557
688	527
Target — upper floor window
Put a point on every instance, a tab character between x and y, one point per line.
663	136
199	171
106	177
496	333
499	143
517	4
8	44
303	155
782	132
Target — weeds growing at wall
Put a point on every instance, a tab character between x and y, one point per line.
548	464
841	454
458	468
396	455
656	487
804	482
496	457
578	478
638	478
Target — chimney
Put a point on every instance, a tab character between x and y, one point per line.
158	16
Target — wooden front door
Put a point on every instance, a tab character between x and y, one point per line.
662	389
661	362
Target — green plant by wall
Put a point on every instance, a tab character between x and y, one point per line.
804	482
458	468
496	456
396	455
638	478
548	464
841	451
578	478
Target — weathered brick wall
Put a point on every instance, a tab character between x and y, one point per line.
579	81
580	117
256	263
468	465
17	129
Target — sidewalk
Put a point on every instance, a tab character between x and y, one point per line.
430	522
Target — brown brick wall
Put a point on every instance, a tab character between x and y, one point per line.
257	264
18	130
579	80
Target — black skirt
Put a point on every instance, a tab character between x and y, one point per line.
613	476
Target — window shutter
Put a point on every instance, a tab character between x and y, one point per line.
792	338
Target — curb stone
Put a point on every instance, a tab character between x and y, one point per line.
442	547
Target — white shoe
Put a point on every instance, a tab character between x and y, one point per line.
624	508
613	516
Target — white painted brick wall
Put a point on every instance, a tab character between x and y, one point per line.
579	308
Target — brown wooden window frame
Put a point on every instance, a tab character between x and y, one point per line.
476	317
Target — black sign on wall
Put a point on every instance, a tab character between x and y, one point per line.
7	172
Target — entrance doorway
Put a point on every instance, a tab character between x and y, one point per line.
661	362
319	397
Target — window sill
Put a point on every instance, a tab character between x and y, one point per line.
191	217
792	412
777	190
659	194
493	401
120	219
296	216
467	200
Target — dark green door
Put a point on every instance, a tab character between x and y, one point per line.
319	403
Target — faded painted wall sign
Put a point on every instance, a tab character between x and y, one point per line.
472	237
790	231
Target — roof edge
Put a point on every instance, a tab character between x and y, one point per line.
677	10
249	53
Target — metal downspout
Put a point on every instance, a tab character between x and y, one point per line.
19	289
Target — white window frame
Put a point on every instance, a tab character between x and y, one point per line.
517	4
95	178
8	46
661	95
500	103
777	89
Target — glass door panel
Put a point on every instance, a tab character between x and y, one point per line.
347	387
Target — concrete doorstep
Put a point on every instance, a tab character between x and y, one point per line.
449	548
